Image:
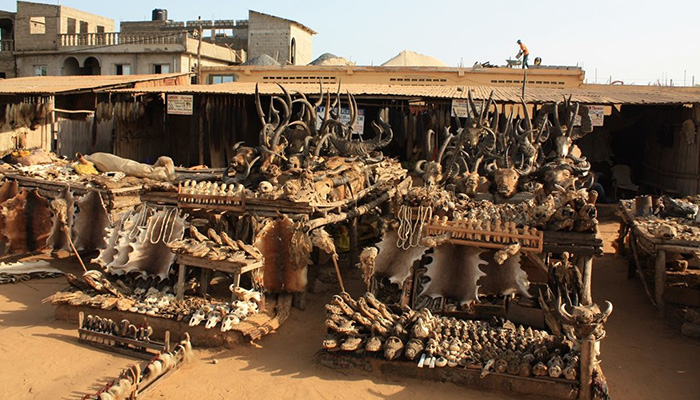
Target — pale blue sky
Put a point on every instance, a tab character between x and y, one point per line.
633	41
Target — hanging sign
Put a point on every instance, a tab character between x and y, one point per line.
180	104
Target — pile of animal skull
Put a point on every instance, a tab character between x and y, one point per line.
228	314
671	219
297	160
514	161
107	295
367	324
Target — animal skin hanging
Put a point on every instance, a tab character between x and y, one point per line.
454	273
26	222
394	262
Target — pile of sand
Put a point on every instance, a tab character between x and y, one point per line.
263	60
409	58
331	59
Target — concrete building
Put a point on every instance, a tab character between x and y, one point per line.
287	41
46	39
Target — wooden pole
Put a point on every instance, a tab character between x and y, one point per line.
660	281
354	253
586	265
334	257
72	246
633	247
199	56
587	364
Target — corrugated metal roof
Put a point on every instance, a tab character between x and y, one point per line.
68	84
587	94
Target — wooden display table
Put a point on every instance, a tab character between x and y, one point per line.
236	269
642	241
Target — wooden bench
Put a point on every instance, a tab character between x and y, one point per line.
235	269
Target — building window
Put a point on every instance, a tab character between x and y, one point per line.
123	69
161	68
222	79
37	25
40	70
100	29
293	52
83	27
70	26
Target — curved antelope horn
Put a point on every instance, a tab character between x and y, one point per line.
320	94
321	143
326	114
311	115
485	108
429	136
419	167
353	109
573	119
526	112
249	166
473	106
489	131
444	146
492	166
237	145
605	313
563	314
258	106
477	163
557	123
506	158
307	146
458	122
303	124
496	115
462	162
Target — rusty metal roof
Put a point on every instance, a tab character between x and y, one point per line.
586	94
47	85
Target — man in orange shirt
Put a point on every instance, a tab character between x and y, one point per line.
524	52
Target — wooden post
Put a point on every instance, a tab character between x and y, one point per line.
354	253
660	281
587	364
180	288
204	281
199	56
586	265
202	110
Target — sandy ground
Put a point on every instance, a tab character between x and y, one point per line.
643	358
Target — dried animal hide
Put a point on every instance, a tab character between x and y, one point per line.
321	239
151	256
504	279
90	222
63	209
8	190
111	249
26	222
394	262
454	273
286	255
162	170
131	233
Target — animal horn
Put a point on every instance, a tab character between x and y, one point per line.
419	167
429	135
563	314
608	310
237	145
258	106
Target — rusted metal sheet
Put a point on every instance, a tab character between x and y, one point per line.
71	84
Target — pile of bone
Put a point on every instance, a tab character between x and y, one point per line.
218	193
436	198
367	325
124	329
227	314
14	278
215	246
126	385
507	230
152	302
487	211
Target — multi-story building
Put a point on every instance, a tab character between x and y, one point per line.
45	39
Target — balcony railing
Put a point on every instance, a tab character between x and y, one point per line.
7	45
115	38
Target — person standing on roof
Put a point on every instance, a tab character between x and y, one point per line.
524	52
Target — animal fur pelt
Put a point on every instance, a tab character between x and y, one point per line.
8	190
63	210
90	222
151	256
26	222
504	279
454	272
286	255
394	262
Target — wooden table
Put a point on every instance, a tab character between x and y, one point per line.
236	269
641	241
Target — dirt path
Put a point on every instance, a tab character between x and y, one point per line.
641	356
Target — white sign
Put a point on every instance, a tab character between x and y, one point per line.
359	126
180	104
597	114
460	108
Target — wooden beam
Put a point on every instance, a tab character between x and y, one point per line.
660	281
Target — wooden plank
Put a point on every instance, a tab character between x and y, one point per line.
660	281
682	295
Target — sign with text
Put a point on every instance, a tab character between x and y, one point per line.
597	114
359	126
180	104
460	107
